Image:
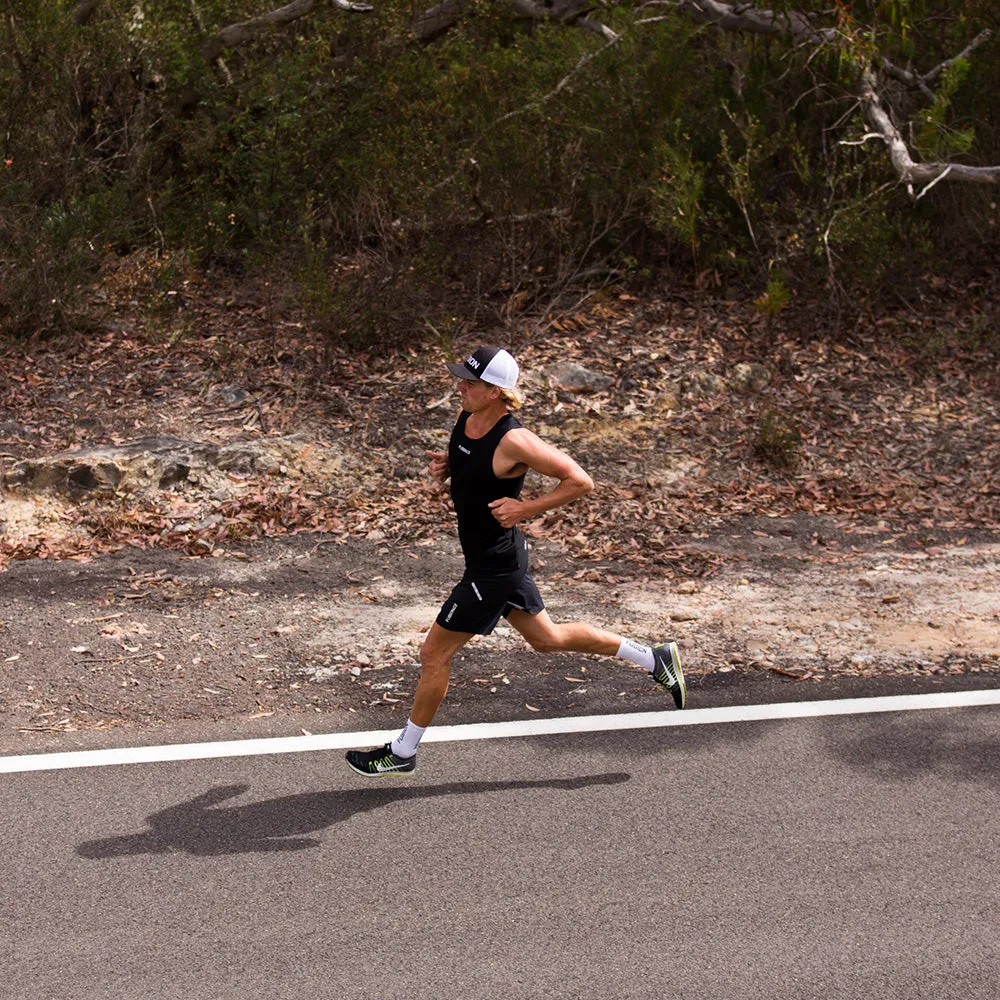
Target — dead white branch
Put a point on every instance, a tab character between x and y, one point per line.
907	169
940	177
568	11
734	17
741	17
235	35
581	63
438	19
922	81
981	39
199	23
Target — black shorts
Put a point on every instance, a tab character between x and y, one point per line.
476	603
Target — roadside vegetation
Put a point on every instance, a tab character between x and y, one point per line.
404	174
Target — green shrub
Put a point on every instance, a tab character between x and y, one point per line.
501	168
779	441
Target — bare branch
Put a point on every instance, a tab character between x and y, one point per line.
793	25
908	171
435	22
444	15
582	62
981	39
910	79
567	11
922	81
741	17
199	23
598	28
940	177
862	141
239	34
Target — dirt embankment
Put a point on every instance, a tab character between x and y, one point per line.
315	633
818	515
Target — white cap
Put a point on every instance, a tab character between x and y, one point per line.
489	364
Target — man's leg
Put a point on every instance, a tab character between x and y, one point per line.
400	755
435	669
662	661
544	635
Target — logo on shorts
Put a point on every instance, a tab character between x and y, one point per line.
454	608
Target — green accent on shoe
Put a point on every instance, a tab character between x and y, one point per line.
380	762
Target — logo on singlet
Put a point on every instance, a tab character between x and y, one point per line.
464	450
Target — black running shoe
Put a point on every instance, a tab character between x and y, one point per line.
380	763
668	671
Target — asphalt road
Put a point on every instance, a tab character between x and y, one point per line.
842	857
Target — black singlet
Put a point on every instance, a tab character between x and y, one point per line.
486	545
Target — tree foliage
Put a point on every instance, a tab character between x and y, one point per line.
506	165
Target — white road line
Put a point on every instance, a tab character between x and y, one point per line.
498	730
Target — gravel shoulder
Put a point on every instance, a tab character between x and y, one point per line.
821	523
308	634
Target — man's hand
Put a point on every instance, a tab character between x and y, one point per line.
438	465
508	511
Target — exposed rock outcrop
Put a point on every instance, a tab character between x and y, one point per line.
148	464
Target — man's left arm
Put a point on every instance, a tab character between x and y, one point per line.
522	448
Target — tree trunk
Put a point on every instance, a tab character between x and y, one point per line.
85	11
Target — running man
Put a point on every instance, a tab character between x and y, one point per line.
487	459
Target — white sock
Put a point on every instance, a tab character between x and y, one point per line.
405	744
635	652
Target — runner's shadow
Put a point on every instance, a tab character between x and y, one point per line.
199	828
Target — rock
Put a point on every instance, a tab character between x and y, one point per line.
750	378
172	474
68	475
321	675
164	461
684	615
13	431
159	463
705	384
578	379
227	395
242	456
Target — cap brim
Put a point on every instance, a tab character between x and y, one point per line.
462	372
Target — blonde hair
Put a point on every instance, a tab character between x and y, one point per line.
514	398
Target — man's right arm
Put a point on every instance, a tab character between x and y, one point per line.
438	465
